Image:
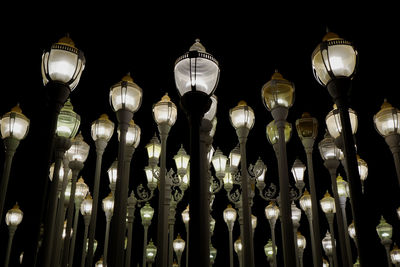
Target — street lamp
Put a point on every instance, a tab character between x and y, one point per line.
230	218
213	254
270	252
179	247
395	255
362	170
14	128
151	252
13	219
186	218
385	231
328	244
301	245
238	249
272	214
86	211
242	119
329	208
219	162
146	214
113	175
334	125
296	217
278	97
125	99
386	122
108	208
196	77
298	170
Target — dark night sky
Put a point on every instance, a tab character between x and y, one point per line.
146	43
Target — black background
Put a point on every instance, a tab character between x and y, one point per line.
249	42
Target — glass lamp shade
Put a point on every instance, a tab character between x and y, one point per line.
68	121
213	254
268	249
333	58
327	243
328	149
81	190
210	154
296	213
181	159
386	121
228	180
352	230
151	252
94	245
301	241
298	170
384	230
99	263
234	156
229	215
259	170
328	203
210	114
307	126
334	125
305	201
126	95
253	222
196	70
272	211
132	135
164	111
86	206
108	204
178	245
154	148
186	216
237	245
113	172
362	168
14	124
219	161
273	135
102	128
342	186
79	149
14	216
242	116
186	179
151	178
278	92
63	63
395	254
146	213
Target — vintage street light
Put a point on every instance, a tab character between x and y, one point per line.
296	217
385	231
230	218
219	162
125	100
395	255
113	175
151	252
328	244
270	252
179	247
130	217
108	208
213	254
272	214
196	77
329	208
362	170
238	249
13	219
278	97
86	211
146	214
186	218
301	245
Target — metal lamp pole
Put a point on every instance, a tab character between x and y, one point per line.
130	219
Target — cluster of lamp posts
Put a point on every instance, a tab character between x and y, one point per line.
196	77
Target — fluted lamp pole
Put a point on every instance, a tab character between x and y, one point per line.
230	215
13	219
385	231
125	100
278	97
86	211
146	214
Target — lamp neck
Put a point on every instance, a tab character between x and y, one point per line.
339	89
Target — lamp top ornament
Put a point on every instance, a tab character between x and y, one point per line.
278	92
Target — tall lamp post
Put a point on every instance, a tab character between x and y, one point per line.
130	217
307	130
164	113
242	119
334	63
385	231
179	247
196	78
238	249
329	208
86	211
13	219
386	122
278	97
272	214
230	218
186	218
270	252
108	208
301	245
328	244
146	213
102	130
14	128
151	253
125	99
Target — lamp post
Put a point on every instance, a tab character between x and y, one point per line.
301	245
230	218
77	155
296	216
385	231
108	208
238	249
146	213
164	114
113	175
334	63
86	211
151	252
130	218
270	252
213	254
330	153
13	219
196	77
179	247
395	255
329	208
125	99
14	128
102	130
328	244
307	130
272	214
186	218
278	97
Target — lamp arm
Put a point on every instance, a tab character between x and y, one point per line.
143	194
235	197
269	194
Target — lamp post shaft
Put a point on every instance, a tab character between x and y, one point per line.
11	232
314	222
295	227
230	249
289	253
131	218
393	142
74	233
171	223
387	249
346	235
330	217
107	235
272	225
187	241
146	227
100	147
87	222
